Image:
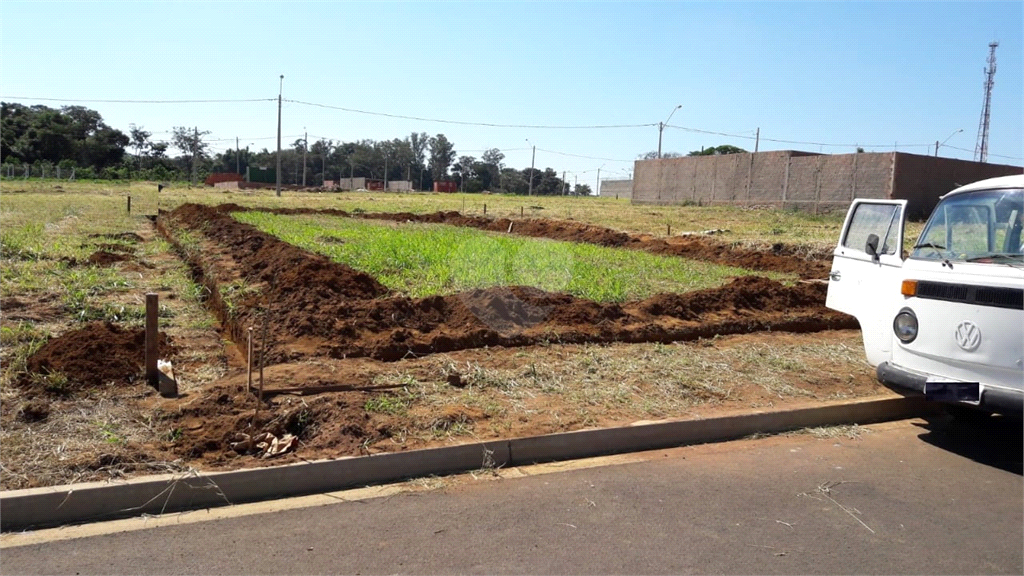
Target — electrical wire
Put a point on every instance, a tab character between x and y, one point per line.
990	154
581	156
462	123
142	101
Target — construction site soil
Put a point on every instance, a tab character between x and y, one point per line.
322	329
98	353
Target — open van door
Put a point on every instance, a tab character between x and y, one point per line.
866	271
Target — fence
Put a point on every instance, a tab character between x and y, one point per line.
807	181
23	171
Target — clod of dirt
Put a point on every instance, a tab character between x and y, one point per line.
91	356
104	258
455	379
34	411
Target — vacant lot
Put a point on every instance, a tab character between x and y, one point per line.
387	322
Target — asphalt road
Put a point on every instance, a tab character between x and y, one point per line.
910	497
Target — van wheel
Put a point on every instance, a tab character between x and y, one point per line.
967	414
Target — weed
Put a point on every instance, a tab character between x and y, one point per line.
422	260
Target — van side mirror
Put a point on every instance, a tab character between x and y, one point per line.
871	246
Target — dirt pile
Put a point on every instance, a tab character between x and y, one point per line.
98	353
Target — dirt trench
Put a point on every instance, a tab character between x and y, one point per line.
315	307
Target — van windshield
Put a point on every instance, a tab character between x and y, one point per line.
982	226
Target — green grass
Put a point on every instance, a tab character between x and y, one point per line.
421	260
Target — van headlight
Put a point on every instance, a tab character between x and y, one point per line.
905	325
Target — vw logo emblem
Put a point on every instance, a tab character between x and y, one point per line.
968	336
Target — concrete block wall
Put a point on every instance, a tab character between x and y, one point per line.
617	188
399	186
812	182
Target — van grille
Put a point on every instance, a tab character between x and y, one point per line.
981	295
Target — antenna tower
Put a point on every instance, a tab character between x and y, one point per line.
981	148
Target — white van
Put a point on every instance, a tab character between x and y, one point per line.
947	319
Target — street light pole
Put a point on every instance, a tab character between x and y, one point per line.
661	128
280	92
532	159
937	144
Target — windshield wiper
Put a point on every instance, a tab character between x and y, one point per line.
929	245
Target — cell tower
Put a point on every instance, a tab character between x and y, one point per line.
981	148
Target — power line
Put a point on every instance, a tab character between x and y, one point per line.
989	153
463	123
141	101
790	141
581	156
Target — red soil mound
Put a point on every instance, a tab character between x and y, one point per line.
98	353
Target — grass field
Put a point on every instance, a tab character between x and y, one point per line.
49	229
421	260
758	226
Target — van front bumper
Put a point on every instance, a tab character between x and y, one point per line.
1000	400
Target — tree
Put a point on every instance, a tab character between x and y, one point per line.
139	141
322	149
442	153
190	142
72	133
653	155
582	190
463	169
718	151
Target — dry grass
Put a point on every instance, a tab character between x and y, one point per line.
47	237
572	387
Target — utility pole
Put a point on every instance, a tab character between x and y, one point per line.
305	146
661	128
195	153
757	139
385	172
281	91
597	188
981	149
532	158
238	161
575	183
563	183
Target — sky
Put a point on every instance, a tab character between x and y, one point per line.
825	76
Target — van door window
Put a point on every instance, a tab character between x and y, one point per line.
878	219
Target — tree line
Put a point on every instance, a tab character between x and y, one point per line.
76	137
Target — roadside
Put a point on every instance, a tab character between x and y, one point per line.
853	499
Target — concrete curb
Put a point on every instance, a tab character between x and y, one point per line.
96	501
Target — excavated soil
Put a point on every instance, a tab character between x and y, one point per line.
781	258
314	307
338	341
98	353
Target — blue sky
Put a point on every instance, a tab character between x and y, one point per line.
881	75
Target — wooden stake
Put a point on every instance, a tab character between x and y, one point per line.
520	211
485	209
129	203
263	348
248	359
152	308
668	229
